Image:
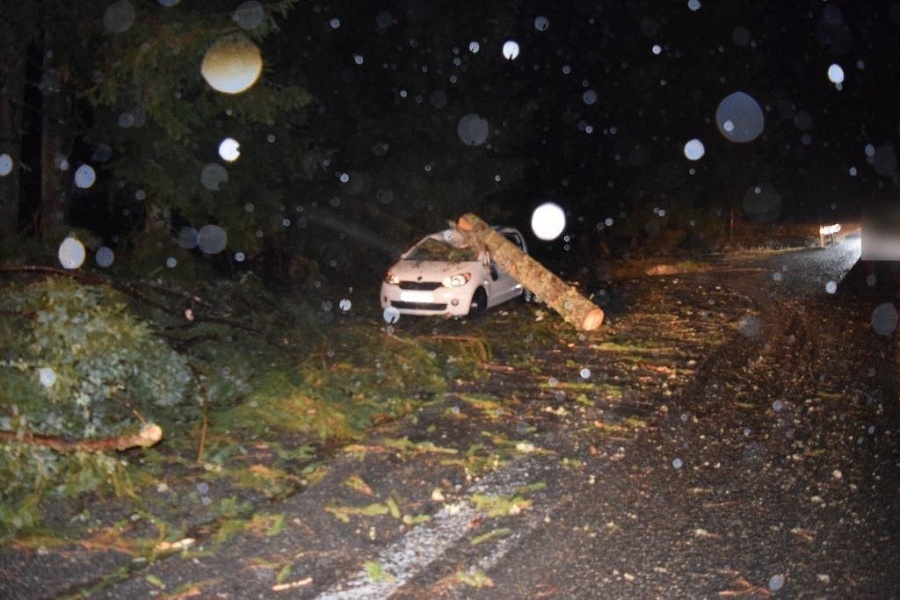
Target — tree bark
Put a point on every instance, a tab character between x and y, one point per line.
557	294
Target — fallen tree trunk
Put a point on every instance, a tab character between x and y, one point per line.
573	307
148	436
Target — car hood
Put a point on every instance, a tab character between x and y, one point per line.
413	270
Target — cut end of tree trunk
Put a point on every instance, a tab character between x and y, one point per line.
593	320
573	307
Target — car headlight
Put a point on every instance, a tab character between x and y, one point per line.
391	279
456	280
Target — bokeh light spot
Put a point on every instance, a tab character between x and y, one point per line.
232	64
212	239
836	74
740	118
85	176
510	50
249	15
6	164
213	176
694	149
548	221
119	16
230	149
187	238
71	253
473	130
104	256
47	376
884	318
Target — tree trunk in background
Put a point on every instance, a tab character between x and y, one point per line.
12	96
557	294
56	128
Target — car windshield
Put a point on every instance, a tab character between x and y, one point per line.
437	250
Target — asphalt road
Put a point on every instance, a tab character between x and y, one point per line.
740	440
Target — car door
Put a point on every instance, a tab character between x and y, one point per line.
503	285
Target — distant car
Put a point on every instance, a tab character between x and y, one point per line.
441	275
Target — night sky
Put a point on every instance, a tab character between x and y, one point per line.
597	107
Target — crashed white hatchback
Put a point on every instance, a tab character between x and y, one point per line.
441	275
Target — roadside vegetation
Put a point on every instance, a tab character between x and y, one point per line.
254	389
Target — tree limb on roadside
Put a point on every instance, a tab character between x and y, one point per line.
128	290
148	436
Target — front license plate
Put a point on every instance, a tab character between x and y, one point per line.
416	296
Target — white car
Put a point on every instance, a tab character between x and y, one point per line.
441	275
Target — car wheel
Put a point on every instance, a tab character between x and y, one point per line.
479	302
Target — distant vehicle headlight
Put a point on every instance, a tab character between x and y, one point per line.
456	280
391	279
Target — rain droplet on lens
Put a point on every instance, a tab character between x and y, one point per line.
119	16
884	319
104	256
71	253
85	176
187	238
740	118
510	49
6	164
776	582
212	239
213	176
249	14
47	376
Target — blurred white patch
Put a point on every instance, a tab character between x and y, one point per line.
6	164
232	64
694	149
473	130
104	256
47	376
213	176
212	239
548	221
510	50
884	318
229	149
836	75
187	238
740	118
249	15
85	176
71	253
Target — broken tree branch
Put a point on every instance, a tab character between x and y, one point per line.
148	436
